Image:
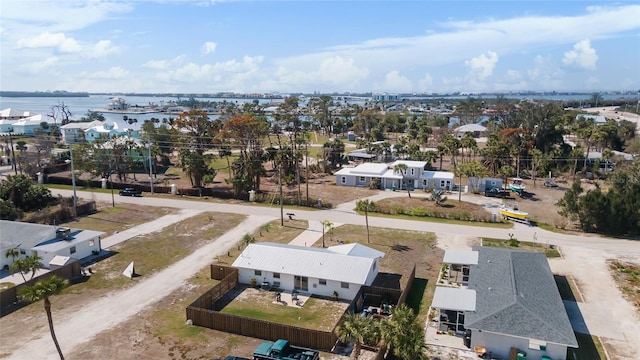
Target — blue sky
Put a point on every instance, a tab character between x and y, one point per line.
319	46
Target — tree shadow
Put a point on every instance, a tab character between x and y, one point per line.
398	247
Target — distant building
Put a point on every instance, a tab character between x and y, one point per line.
73	133
476	130
386	97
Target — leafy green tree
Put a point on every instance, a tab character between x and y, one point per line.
568	204
43	290
332	154
14	189
403	334
472	169
8	211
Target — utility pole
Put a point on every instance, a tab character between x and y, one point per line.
150	169
73	183
13	155
280	186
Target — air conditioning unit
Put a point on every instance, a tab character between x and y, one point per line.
63	233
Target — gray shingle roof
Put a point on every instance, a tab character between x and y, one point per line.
517	295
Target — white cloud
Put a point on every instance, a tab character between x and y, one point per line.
546	73
165	64
482	66
426	83
582	56
114	73
39	66
101	49
514	75
208	47
394	82
48	40
329	73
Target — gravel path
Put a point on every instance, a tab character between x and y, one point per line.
80	326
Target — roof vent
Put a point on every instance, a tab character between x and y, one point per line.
489	288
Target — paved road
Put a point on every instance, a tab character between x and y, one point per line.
345	215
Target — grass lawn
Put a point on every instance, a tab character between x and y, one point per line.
550	252
115	219
320	314
451	212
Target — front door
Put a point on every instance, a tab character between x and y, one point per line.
301	283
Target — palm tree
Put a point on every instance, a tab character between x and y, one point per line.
12	253
403	334
329	225
366	205
402	169
42	290
355	328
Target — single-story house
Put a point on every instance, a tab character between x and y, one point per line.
6	125
13	114
28	125
46	241
476	130
342	269
597	119
511	302
361	155
483	184
103	130
438	180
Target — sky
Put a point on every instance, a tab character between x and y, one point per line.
428	46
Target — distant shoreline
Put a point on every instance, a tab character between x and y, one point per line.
43	94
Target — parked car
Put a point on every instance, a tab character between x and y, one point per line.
496	192
130	192
550	182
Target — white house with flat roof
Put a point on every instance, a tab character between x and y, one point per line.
46	241
318	271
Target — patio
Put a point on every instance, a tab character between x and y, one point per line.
290	298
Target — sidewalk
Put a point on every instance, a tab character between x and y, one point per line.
149	227
312	234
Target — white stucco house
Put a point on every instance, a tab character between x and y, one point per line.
476	130
46	241
343	269
29	124
506	300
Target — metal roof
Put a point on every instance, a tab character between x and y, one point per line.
356	249
449	298
517	296
306	261
460	257
437	175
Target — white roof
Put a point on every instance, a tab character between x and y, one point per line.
471	128
60	260
437	175
81	125
306	261
35	120
13	112
460	257
410	163
356	249
459	299
104	127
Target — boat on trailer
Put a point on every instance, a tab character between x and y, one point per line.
512	212
517	185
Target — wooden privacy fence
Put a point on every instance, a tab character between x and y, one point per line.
10	300
201	314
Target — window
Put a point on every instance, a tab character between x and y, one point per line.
276	275
92	242
258	272
72	250
322	282
441	183
344	285
276	284
361	178
413	171
22	252
343	180
424	182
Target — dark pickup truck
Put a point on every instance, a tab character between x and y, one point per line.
496	192
282	350
130	192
